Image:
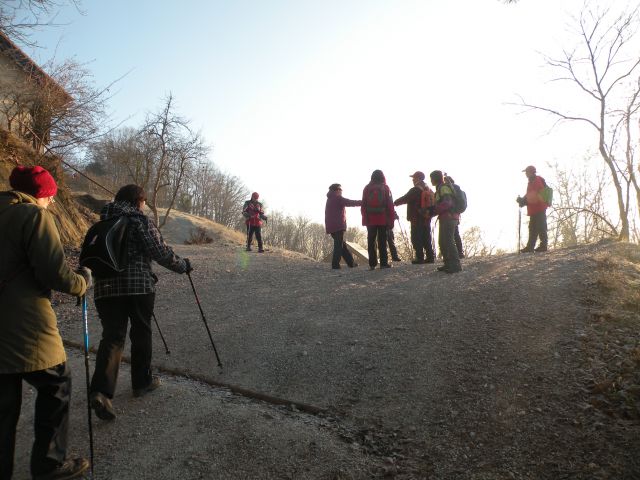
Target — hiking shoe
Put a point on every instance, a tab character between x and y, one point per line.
449	270
526	250
155	383
540	249
71	468
248	249
261	250
396	259
386	265
102	406
353	265
372	268
418	261
429	260
442	268
337	267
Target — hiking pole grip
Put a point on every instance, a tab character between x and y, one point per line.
204	320
85	328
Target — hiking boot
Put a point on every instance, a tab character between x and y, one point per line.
372	267
102	406
386	265
526	250
71	468
442	268
429	260
337	267
248	249
540	249
353	265
155	383
417	261
396	259
261	250
452	270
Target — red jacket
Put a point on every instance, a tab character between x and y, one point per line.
535	204
335	215
382	215
253	212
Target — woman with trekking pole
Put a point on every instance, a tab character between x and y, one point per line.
129	296
32	263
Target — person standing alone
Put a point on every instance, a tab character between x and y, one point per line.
254	215
536	210
335	221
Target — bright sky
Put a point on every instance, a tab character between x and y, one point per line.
294	95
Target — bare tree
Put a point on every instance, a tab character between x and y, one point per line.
600	68
474	243
19	18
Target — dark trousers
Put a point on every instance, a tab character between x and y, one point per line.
447	244
377	235
115	313
340	250
51	417
251	230
537	228
458	240
421	239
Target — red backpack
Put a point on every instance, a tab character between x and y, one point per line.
377	199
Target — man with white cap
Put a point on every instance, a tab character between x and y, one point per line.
536	210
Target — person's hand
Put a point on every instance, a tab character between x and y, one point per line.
395	216
189	268
85	273
432	210
521	201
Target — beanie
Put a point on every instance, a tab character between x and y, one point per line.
35	181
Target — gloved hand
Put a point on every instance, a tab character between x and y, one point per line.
395	216
85	273
188	264
521	201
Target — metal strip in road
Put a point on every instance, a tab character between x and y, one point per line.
236	389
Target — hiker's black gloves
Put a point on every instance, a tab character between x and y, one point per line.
521	201
85	273
188	265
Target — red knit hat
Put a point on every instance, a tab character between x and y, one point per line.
36	181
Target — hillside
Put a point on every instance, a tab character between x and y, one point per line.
521	366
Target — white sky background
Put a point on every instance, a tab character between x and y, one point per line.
294	95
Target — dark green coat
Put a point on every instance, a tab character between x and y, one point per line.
31	256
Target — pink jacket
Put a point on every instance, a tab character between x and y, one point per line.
335	215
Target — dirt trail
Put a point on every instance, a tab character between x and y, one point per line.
479	375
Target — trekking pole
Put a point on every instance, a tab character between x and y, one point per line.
204	319
85	327
519	227
153	314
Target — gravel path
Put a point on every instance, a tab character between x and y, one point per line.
478	375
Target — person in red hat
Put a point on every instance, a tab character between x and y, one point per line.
32	263
536	210
254	216
419	217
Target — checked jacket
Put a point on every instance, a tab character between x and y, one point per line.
144	244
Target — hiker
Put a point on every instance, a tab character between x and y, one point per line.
456	236
377	215
335	221
536	210
253	212
447	219
391	241
418	200
129	295
32	263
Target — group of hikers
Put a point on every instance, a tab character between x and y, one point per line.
423	205
33	264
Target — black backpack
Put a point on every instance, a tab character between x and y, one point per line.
104	250
460	198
